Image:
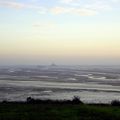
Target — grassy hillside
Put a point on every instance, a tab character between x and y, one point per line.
29	111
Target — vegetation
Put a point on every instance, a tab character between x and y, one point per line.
115	103
57	110
75	100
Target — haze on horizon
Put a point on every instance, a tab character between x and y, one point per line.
61	31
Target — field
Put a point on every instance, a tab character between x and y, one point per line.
29	111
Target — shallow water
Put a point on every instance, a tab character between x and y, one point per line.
92	84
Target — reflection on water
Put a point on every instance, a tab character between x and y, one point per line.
91	83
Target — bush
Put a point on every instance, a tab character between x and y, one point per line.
30	100
76	100
115	103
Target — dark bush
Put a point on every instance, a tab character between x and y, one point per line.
30	100
4	101
115	103
76	100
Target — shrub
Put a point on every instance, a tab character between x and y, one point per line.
76	100
30	100
115	103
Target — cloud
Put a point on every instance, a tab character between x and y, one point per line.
115	1
11	4
98	6
83	8
78	7
68	1
78	11
18	5
44	25
85	12
60	10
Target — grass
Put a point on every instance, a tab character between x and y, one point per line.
29	111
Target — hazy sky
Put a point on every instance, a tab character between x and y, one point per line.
60	31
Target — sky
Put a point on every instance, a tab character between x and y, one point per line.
84	32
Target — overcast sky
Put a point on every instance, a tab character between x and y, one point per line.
60	31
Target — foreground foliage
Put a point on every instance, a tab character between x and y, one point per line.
56	111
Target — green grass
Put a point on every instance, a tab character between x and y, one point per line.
22	111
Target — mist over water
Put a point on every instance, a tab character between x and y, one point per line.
93	84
